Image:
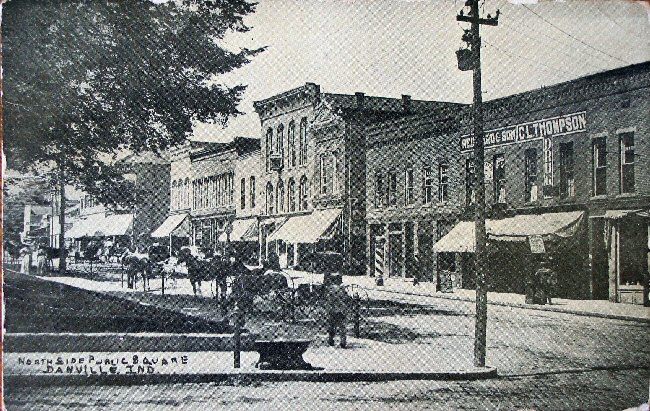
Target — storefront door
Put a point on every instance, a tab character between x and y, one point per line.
395	258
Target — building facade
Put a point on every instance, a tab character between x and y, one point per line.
314	174
568	165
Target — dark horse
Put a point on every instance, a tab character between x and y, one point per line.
205	270
134	264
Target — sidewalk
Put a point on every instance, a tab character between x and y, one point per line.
400	289
404	291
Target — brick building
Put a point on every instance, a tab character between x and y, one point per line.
568	165
313	177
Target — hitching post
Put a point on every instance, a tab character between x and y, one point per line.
237	316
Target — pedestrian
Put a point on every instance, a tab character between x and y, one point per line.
544	277
26	259
550	281
338	303
41	261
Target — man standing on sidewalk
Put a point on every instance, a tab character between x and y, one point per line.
338	303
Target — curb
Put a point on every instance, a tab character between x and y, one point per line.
122	342
516	305
236	376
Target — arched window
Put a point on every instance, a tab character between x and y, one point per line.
291	138
242	194
280	197
279	141
269	198
302	156
269	147
292	195
304	193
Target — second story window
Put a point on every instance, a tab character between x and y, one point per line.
443	183
548	162
292	195
304	194
242	194
427	185
567	184
499	177
269	148
279	197
531	175
269	198
379	189
409	195
279	141
324	174
392	188
470	182
252	191
627	162
599	162
302	155
291	142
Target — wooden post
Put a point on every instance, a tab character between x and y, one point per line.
237	316
357	315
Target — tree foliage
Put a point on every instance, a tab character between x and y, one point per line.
84	80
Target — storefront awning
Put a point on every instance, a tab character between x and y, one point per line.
461	239
618	214
86	227
242	230
114	225
177	225
306	229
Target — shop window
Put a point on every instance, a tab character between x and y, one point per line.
443	183
280	197
567	182
252	191
242	194
269	198
379	189
531	174
548	163
470	179
291	138
599	160
409	197
302	157
392	188
499	178
304	193
188	192
292	195
427	183
627	162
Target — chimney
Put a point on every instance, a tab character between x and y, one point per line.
360	97
313	90
406	103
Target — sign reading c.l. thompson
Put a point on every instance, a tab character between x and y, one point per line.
534	130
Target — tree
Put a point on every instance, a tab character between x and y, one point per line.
84	80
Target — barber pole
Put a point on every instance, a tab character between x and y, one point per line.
379	261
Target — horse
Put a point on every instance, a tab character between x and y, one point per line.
134	264
199	269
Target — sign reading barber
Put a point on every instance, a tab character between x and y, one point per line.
534	130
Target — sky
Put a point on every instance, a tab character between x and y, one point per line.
394	47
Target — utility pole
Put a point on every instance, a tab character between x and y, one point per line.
473	62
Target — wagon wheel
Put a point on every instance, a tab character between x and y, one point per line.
309	301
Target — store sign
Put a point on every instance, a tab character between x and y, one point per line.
534	130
